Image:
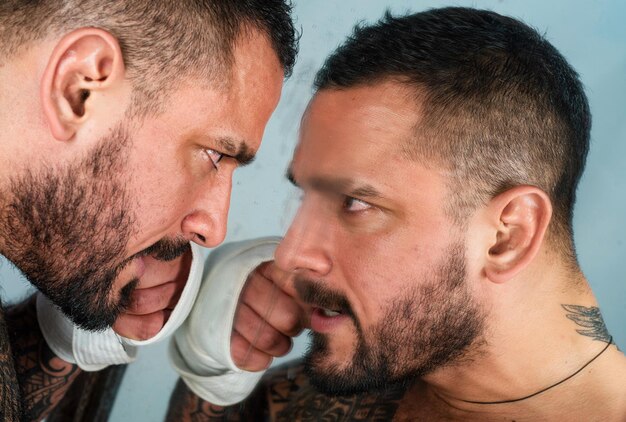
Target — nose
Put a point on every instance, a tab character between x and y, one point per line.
306	246
206	223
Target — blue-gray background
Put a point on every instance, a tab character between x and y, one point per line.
592	36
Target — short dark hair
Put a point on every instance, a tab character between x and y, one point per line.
161	39
501	106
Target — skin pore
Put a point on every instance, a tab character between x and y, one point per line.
398	294
423	328
91	194
68	245
74	204
364	235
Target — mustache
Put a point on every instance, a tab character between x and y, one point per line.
163	250
316	294
167	249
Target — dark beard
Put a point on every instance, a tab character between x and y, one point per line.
67	230
431	327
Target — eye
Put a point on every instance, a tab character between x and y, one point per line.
214	156
353	205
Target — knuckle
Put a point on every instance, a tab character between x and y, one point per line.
237	356
258	362
151	326
285	349
140	302
276	344
267	362
270	342
238	347
246	295
243	319
291	323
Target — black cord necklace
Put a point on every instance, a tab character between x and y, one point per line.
547	388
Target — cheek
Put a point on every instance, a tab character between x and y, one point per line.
376	270
380	268
158	201
161	175
382	255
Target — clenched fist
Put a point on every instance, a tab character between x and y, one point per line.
241	319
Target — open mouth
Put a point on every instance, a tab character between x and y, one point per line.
326	320
329	312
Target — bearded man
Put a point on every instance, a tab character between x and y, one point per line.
433	253
122	122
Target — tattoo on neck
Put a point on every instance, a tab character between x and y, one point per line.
590	319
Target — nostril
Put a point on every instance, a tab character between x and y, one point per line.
202	238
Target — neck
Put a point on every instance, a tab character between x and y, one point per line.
540	355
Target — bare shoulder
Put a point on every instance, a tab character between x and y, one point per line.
9	388
291	397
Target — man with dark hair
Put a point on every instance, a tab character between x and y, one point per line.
433	252
122	122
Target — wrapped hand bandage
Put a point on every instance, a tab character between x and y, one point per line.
93	351
200	349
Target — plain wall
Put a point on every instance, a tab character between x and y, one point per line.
591	35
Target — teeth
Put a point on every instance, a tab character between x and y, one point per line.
330	313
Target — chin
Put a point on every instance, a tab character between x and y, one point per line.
331	369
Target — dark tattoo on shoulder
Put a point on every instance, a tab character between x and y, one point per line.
43	377
296	400
315	406
590	319
9	388
185	406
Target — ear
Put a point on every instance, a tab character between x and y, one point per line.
520	218
84	62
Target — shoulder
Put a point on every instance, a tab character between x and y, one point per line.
279	386
9	388
290	397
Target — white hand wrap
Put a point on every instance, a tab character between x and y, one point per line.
95	350
200	348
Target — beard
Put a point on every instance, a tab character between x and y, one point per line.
66	229
430	326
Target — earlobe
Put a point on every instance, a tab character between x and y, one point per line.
84	62
521	217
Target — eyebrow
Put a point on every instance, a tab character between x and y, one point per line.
339	185
237	149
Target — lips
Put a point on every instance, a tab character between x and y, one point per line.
328	307
324	320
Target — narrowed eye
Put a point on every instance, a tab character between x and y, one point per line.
355	205
214	156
